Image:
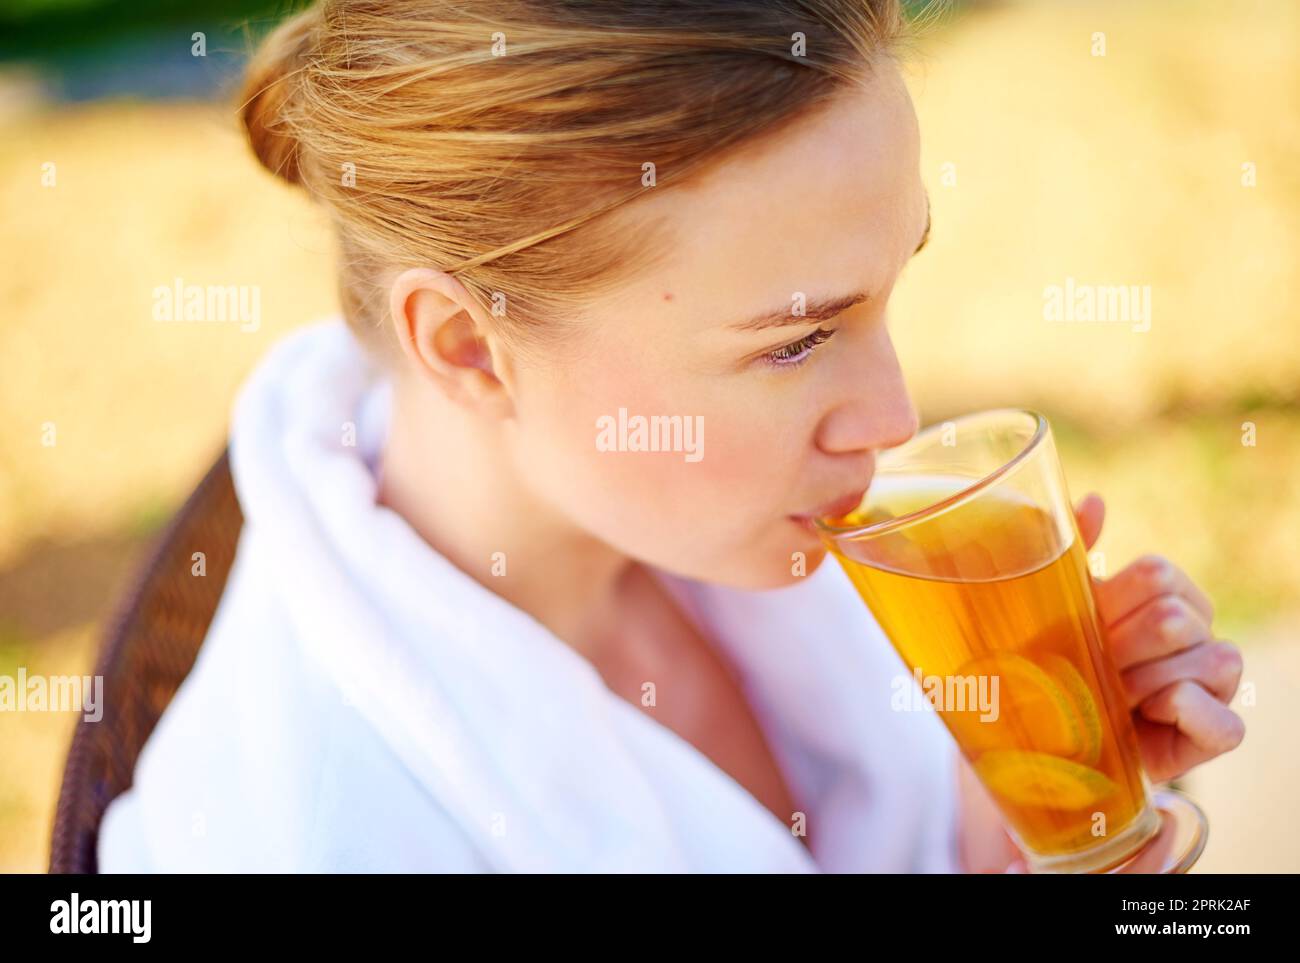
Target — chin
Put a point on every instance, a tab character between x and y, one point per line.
776	575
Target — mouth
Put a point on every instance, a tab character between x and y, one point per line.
833	509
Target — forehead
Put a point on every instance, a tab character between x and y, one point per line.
826	205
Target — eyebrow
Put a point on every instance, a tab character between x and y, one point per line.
822	309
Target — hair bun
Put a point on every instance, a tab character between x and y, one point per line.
268	94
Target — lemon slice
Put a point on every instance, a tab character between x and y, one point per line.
1037	779
1085	705
1033	710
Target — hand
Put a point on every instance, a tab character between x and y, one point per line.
1177	677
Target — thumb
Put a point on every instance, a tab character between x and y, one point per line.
1090	512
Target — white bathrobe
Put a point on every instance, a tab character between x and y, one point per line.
361	704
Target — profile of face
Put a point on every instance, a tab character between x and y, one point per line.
764	331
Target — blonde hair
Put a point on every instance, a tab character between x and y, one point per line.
480	136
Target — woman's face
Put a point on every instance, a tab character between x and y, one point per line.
827	213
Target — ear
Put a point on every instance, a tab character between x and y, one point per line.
445	339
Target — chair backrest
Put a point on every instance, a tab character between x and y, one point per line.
149	647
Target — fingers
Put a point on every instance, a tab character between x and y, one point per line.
1090	513
1215	665
1157	628
1182	726
1152	857
1147	578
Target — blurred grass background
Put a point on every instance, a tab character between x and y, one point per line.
1044	162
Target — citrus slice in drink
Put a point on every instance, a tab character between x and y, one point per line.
1032	710
1072	681
1037	779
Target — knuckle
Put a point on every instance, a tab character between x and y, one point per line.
1157	571
1182	695
1171	614
1228	658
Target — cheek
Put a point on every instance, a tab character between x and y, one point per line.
721	496
732	456
571	447
627	453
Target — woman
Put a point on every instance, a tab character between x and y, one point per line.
482	617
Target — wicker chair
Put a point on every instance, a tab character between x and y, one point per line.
149	648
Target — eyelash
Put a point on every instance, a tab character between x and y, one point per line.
796	353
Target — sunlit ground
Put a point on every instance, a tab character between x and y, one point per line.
1044	163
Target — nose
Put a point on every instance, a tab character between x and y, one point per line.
862	425
874	412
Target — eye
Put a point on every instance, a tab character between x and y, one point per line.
795	353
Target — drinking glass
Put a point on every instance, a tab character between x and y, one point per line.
967	551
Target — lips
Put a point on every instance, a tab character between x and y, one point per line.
840	506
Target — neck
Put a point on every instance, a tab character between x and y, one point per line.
449	475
